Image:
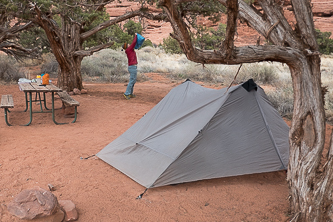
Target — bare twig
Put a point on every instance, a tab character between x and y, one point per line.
271	28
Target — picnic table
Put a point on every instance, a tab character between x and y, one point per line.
30	88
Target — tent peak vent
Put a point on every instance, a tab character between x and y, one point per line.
250	85
187	80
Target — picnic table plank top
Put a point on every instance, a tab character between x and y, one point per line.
34	87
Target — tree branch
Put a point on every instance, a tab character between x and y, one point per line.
305	23
17	51
240	55
256	21
228	44
10	33
92	50
140	12
106	24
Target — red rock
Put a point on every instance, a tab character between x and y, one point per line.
33	203
76	91
84	91
69	208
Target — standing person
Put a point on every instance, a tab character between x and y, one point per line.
132	67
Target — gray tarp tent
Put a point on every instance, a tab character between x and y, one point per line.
197	133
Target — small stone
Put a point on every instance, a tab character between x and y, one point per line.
76	91
69	208
51	187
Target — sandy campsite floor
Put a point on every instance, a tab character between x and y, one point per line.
45	153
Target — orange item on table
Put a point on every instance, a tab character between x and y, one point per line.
46	79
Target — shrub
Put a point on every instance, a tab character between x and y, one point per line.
282	98
170	45
324	42
146	43
329	104
204	38
262	73
120	36
50	65
208	38
9	70
107	65
132	27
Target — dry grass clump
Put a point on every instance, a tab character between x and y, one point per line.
10	70
281	97
106	65
50	65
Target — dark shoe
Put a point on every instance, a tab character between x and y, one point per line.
127	97
132	95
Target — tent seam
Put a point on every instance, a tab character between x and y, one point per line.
269	131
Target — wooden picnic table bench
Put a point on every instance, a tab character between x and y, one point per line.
6	103
69	101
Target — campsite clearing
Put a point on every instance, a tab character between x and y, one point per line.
45	153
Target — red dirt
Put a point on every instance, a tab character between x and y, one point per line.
44	153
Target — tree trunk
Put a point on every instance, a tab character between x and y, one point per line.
65	41
68	79
309	182
69	72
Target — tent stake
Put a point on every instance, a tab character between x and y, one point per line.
87	157
140	196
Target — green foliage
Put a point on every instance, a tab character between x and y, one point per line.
204	38
324	42
146	43
120	36
132	27
100	37
170	45
35	38
207	8
249	2
208	38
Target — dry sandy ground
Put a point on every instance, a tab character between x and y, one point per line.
44	153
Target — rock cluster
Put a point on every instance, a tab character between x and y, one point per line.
41	205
